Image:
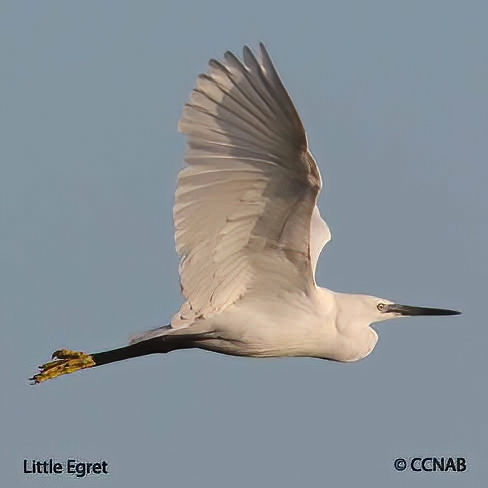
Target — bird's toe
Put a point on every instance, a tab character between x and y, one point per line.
64	362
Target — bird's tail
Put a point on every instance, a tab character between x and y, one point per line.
149	334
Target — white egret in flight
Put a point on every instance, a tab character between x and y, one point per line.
249	233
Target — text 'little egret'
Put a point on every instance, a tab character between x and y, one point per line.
248	233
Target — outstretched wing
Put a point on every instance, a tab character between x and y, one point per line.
245	215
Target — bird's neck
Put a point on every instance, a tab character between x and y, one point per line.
355	338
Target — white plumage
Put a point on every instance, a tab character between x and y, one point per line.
249	233
248	230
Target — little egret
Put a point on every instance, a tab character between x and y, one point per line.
248	234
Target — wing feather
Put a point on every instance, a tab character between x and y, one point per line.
244	202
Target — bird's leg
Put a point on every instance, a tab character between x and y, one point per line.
64	362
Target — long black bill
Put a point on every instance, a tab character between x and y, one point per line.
412	311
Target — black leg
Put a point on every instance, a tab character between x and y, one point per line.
66	361
157	345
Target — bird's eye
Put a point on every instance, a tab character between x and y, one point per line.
380	306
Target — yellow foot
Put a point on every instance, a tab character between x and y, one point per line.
64	362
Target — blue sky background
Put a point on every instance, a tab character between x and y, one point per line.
394	96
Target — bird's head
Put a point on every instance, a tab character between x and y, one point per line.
379	309
390	310
367	309
356	313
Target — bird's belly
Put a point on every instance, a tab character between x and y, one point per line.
267	329
264	330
